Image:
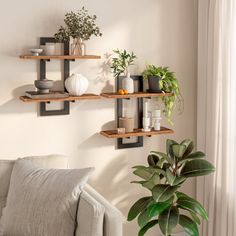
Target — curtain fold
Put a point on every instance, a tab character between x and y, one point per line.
216	129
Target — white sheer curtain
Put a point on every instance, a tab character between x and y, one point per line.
217	113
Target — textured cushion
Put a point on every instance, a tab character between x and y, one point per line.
42	201
6	166
5	176
90	216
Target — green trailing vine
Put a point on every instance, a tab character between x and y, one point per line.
168	84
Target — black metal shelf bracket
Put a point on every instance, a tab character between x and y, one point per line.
66	73
119	106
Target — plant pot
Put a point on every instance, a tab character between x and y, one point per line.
153	84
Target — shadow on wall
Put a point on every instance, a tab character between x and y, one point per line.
15	105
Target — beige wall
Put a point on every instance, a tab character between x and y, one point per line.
162	32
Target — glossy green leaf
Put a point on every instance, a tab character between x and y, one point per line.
190	204
169	149
148	226
168	220
190	146
195	218
193	156
179	180
157	208
153	160
189	225
163	155
197	167
162	192
144	218
178	150
138	207
143	173
170	177
161	162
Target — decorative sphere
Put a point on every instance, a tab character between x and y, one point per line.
76	84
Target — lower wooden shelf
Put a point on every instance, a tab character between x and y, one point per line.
88	96
135	133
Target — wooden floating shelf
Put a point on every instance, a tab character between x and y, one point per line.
60	57
87	96
135	95
135	133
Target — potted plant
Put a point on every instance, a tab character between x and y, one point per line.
80	27
164	176
161	79
120	65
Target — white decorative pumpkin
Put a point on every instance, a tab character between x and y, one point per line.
76	84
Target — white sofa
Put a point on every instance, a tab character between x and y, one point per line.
95	216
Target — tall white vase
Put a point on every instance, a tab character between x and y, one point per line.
128	83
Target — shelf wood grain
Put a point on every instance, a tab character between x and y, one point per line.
135	133
60	57
135	95
88	96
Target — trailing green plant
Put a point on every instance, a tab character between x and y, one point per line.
122	61
78	25
164	175
168	83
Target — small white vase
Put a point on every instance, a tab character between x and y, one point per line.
76	84
128	84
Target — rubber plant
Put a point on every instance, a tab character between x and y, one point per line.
169	84
164	175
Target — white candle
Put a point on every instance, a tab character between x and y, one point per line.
145	110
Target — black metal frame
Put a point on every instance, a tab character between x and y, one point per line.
119	106
66	73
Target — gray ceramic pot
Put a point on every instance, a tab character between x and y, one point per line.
43	86
153	84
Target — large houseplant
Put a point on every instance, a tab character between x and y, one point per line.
161	79
80	27
164	176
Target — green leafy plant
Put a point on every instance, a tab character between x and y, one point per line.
169	84
122	61
80	26
166	205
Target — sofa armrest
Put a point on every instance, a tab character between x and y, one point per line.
113	221
90	216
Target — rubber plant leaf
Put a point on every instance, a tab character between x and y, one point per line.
156	209
193	156
163	192
138	207
197	167
168	220
148	226
189	225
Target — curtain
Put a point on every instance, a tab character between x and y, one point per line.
216	121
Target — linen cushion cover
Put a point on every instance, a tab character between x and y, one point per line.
42	201
6	166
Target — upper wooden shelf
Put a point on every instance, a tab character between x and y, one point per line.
135	133
60	57
135	95
87	96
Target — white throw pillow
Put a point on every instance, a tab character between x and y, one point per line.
42	202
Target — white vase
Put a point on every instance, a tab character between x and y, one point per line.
76	84
128	83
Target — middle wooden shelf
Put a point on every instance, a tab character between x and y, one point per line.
135	95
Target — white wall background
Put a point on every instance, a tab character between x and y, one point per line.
162	32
